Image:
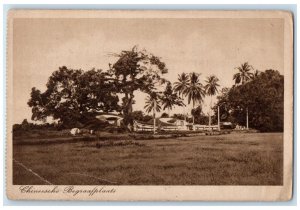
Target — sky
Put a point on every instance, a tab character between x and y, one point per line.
206	46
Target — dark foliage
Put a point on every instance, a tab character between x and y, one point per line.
263	96
73	96
140	116
170	98
179	116
136	70
199	116
26	126
164	115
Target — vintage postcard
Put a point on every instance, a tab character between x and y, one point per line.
149	105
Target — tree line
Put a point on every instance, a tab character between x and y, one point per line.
257	95
74	96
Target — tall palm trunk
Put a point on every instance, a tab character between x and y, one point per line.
154	118
209	119
247	119
219	126
193	117
184	114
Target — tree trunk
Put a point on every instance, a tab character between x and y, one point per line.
127	111
154	113
219	126
193	117
247	119
209	115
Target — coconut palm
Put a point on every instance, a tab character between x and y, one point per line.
244	73
243	76
170	99
181	85
194	91
153	104
211	88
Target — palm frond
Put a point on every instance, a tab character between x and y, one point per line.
212	85
194	90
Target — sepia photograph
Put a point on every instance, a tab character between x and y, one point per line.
176	100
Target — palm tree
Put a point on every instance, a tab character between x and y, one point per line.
181	85
153	104
170	98
194	91
243	76
211	89
244	73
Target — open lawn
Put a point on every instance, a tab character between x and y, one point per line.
232	159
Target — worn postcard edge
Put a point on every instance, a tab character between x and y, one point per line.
162	193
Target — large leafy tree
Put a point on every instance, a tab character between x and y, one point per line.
96	92
244	73
72	96
136	70
200	118
224	105
263	96
255	74
211	89
194	91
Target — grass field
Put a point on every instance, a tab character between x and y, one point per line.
232	159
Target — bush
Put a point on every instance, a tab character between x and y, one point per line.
26	126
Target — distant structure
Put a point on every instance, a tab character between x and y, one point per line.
162	124
171	124
112	119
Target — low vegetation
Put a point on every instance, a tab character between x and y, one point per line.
233	159
102	144
37	136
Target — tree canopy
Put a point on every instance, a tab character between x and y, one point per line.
244	73
73	95
212	85
181	85
136	70
263	96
